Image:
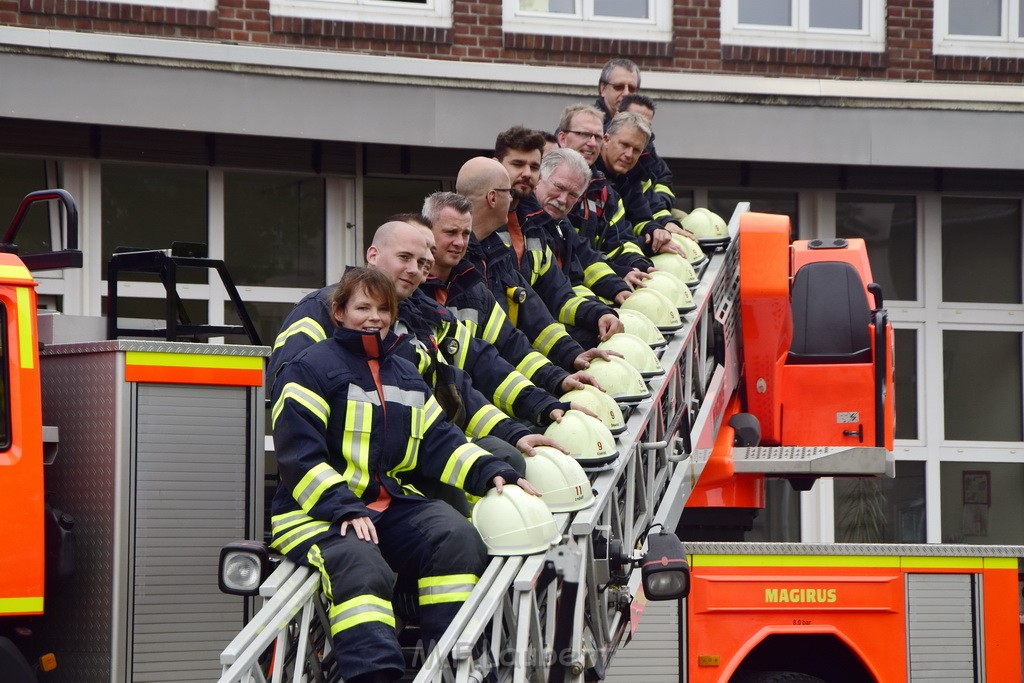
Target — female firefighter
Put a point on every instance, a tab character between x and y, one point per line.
351	421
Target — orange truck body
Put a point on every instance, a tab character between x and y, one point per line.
22	564
861	601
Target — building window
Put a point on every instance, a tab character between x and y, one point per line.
982	392
981	250
982	28
274	229
905	368
881	510
19	177
432	13
613	19
848	25
981	502
200	5
888	226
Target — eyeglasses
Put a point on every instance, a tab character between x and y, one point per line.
586	134
619	87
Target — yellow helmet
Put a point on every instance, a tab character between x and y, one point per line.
656	306
677	214
587	439
514	522
694	254
678	266
709	228
636	352
622	381
563	484
673	288
639	324
599	403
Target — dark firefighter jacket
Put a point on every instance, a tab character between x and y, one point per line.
466	295
310	322
554	245
600	219
638	208
350	417
651	172
523	305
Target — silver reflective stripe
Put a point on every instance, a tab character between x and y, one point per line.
506	238
466	314
356	393
314	484
426	591
391	393
534	244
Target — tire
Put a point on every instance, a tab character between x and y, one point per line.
13	664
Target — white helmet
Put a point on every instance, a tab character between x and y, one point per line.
587	439
656	306
563	484
636	352
599	403
673	288
707	226
514	523
622	381
678	266
694	254
639	324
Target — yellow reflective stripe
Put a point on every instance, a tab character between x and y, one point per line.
285	541
484	421
26	311
435	590
360	610
464	337
531	363
620	211
311	400
664	189
494	324
317	480
422	360
1001	563
638	228
595	272
664	213
892	562
459	463
286	520
508	391
16	273
942	563
568	313
412	447
645	184
306	326
316	560
432	412
548	337
21	605
355	445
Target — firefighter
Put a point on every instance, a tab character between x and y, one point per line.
461	288
588	321
352	421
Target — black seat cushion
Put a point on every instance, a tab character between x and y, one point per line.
830	315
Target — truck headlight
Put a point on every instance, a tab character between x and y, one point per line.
664	570
243	567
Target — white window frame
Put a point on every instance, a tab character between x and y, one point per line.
583	24
432	14
1007	44
800	36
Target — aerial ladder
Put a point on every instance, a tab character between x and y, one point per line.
784	368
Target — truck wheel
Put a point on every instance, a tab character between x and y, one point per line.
775	677
13	664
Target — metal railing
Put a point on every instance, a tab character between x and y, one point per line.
560	614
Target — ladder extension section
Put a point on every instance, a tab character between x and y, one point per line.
560	614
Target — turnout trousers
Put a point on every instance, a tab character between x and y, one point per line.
425	546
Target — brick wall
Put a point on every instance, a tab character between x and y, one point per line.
477	35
